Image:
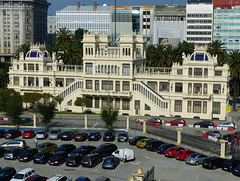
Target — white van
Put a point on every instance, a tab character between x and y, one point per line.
125	153
23	174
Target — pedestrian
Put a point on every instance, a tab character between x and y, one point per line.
36	142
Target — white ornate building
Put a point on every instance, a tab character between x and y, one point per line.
198	87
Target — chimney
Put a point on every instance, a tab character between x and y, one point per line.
95	4
78	4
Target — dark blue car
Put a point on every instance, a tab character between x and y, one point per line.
236	171
110	162
82	179
204	124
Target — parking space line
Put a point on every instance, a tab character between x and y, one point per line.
117	167
98	167
95	125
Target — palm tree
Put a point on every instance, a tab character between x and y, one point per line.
185	47
234	64
23	48
216	48
72	54
63	36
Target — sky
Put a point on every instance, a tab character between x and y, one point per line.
57	5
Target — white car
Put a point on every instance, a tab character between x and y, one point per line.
24	174
226	125
41	135
59	178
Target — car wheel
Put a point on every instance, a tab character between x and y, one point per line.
214	167
196	163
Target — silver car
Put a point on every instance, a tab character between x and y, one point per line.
54	135
41	135
195	159
226	125
215	134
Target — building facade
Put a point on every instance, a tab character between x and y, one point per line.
198	87
51	29
23	21
199	21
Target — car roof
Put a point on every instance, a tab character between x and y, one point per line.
185	150
7	168
25	170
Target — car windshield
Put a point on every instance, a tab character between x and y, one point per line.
27	131
54	132
18	176
194	155
56	156
180	153
39	155
108	160
101	147
108	134
86	159
142	141
41	146
171	149
40	132
65	133
93	134
9	151
2	173
135	138
26	152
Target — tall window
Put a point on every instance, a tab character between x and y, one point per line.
125	104
205	72
197	89
164	86
89	67
189	106
198	71
197	106
216	88
126	86
126	69
190	88
189	71
96	102
107	85
15	80
117	86
152	84
178	106
88	84
117	103
204	107
205	88
96	84
137	104
216	107
178	87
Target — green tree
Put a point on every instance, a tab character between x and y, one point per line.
79	33
23	48
4	78
59	100
216	48
32	98
109	116
46	97
4	97
63	36
46	112
83	102
234	64
14	107
183	47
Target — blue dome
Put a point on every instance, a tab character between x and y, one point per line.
37	53
199	57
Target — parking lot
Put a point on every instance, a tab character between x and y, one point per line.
165	168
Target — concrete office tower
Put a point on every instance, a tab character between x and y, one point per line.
22	21
199	25
51	29
169	24
226	24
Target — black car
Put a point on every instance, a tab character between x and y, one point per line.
67	135
58	158
122	137
105	149
153	145
204	124
94	136
2	151
91	160
2	132
42	157
80	136
134	140
68	148
13	154
109	136
161	149
230	164
28	154
236	171
7	173
12	133
83	150
213	163
74	160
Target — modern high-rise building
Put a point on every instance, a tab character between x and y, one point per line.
22	21
199	21
51	29
169	24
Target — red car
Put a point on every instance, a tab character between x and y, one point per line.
36	178
177	122
80	136
181	155
28	133
236	134
171	152
154	122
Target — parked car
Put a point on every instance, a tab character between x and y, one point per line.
47	146
58	158
67	135
102	178
227	137
181	155
153	145
7	173
82	179
195	159
143	142
14	144
2	132
215	134
109	136
236	171
176	122
12	133
154	122
105	149
80	136
37	178
68	148
171	152
41	135
74	160
42	157
28	133
59	178
213	163
230	164
236	134
54	134
94	136
134	140
91	160
122	137
2	151
83	150
226	125
124	153
12	154
27	155
204	124
110	162
24	174
161	149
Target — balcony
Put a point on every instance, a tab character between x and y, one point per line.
196	96
106	93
